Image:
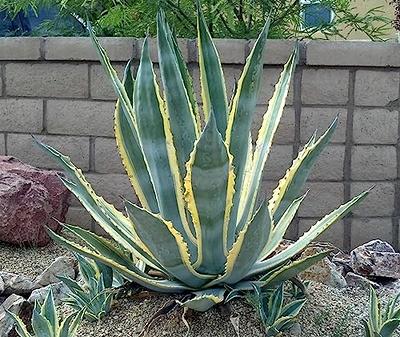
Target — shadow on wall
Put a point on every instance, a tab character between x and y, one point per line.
46	21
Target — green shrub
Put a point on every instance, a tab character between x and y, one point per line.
226	18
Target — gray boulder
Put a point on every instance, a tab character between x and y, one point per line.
62	266
16	284
376	258
14	304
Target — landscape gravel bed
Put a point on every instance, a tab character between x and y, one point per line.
28	261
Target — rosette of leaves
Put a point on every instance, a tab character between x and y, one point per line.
276	316
94	293
202	222
46	322
382	322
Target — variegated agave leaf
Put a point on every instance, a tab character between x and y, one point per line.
198	223
276	316
382	321
93	294
46	323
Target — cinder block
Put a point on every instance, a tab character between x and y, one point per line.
24	148
20	48
100	231
267	188
276	51
367	229
82	49
353	53
231	51
319	119
22	115
100	84
79	216
329	165
2	144
107	159
334	234
88	118
47	80
325	86
113	187
279	160
379	202
286	128
231	74
182	43
1	80
376	88
322	198
375	126
373	162
269	80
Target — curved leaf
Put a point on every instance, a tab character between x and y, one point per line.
133	274
247	248
208	191
389	327
130	150
281	227
166	244
307	237
205	299
266	133
105	248
291	184
20	327
213	90
292	269
240	120
178	105
157	143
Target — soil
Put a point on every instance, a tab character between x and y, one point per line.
329	312
28	261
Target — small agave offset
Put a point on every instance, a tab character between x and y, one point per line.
202	222
94	293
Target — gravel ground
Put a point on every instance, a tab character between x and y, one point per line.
28	261
329	312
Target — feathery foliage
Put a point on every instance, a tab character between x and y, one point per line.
226	18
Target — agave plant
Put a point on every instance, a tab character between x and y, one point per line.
94	294
202	222
275	316
382	323
45	321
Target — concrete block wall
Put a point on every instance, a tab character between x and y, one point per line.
56	89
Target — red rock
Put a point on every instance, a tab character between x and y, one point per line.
29	200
